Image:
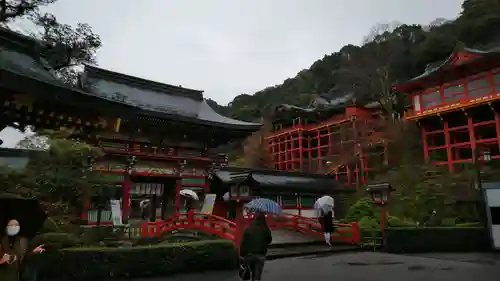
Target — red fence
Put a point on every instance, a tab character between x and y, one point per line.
348	233
221	227
207	223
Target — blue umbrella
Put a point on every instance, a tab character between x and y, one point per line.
263	205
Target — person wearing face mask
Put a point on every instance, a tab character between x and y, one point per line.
13	248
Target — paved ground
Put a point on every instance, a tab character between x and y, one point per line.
287	236
364	266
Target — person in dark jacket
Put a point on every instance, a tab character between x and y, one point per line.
253	248
327	224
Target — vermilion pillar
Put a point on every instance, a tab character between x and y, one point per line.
318	149
472	135
425	144
126	198
497	126
448	146
301	148
240	225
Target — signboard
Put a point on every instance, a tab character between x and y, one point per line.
145	188
208	204
116	212
155	167
492	198
156	171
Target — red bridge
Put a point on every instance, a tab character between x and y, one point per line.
227	229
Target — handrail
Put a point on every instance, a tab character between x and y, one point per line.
227	229
344	232
210	224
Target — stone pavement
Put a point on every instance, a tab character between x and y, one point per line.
365	266
287	236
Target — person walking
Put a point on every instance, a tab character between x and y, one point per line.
326	221
144	205
254	243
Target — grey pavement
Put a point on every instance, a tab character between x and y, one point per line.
287	236
365	266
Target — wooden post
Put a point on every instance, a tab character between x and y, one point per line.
126	198
383	220
449	155
178	187
240	225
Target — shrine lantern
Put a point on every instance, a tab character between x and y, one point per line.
240	192
380	193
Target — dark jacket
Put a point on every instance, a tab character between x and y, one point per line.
327	222
256	238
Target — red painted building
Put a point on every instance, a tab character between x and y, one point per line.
157	138
455	103
335	137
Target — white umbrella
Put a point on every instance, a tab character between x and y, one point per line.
324	205
189	193
144	203
225	197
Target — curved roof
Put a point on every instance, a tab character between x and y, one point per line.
277	181
157	99
322	104
20	60
461	57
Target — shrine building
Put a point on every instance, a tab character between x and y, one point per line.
455	103
157	138
339	137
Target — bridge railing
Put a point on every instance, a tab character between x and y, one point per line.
224	228
348	233
210	224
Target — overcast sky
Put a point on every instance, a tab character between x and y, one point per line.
230	47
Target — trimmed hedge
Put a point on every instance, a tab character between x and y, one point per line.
436	239
134	262
55	240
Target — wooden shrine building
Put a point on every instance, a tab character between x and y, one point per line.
157	137
455	103
296	192
337	137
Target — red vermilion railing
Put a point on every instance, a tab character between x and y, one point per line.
348	233
207	223
221	227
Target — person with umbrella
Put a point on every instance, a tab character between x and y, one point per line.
144	206
324	210
257	237
191	198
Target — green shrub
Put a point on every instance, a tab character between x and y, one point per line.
56	240
49	225
469	224
398	222
95	235
436	239
368	223
147	241
447	222
100	263
360	209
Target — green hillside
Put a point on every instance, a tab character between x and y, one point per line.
368	71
